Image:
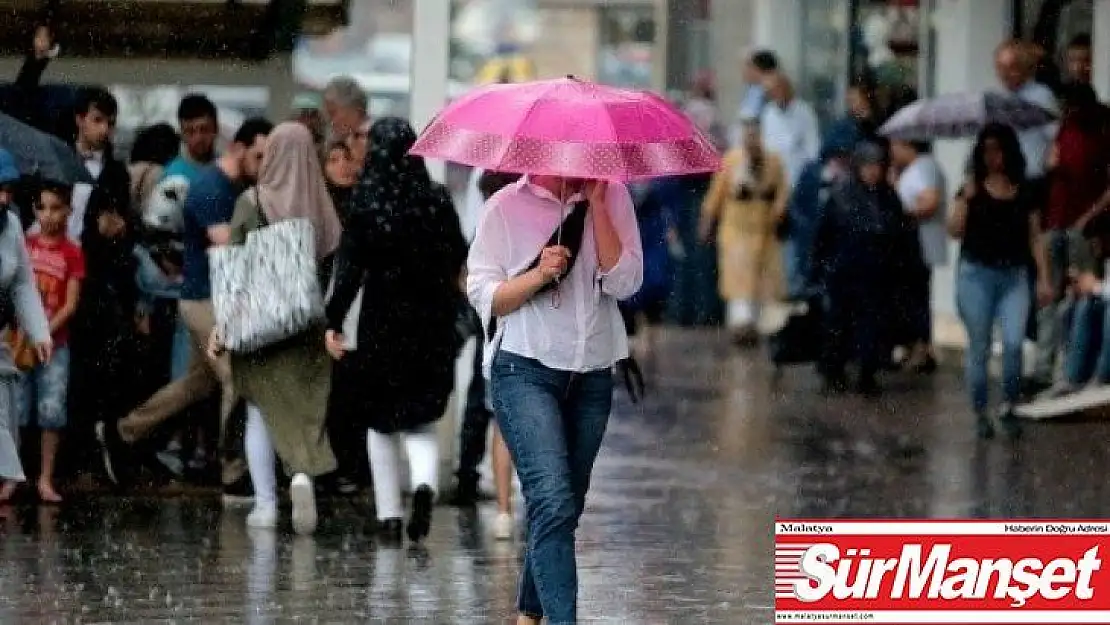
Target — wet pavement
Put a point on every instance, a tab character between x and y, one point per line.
677	529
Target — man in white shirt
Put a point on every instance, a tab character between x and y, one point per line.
789	126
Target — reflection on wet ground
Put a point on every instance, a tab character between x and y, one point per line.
677	530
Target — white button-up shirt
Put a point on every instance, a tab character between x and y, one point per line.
1035	142
792	133
585	332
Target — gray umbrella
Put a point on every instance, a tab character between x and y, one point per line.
37	153
963	114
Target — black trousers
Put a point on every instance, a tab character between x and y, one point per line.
475	426
853	328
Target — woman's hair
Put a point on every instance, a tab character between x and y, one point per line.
63	192
157	144
1012	158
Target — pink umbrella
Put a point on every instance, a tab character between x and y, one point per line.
568	127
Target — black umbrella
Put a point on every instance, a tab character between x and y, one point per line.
40	154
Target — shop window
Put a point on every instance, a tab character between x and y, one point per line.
891	44
626	45
824	60
1052	24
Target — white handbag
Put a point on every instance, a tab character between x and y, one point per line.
266	290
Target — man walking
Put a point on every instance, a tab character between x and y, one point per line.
207	213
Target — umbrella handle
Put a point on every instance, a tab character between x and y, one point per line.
556	296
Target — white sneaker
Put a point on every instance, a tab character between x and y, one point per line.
264	516
504	526
303	494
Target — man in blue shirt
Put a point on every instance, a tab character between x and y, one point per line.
207	213
199	123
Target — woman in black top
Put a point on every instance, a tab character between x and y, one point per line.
995	216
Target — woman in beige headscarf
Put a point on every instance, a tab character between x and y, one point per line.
286	386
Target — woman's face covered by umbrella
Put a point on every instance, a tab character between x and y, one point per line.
560	186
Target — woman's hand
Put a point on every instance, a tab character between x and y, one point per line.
215	345
44	351
553	263
335	344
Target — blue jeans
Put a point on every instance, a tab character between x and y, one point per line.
43	393
553	423
1088	350
984	295
1061	246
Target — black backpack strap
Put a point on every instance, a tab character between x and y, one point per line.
569	235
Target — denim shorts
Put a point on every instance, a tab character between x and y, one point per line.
44	390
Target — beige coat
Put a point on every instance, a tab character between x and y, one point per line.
749	256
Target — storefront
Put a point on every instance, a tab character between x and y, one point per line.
888	42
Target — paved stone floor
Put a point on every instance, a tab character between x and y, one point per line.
677	528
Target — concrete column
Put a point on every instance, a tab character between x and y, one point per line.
731	31
968	31
777	27
1100	34
431	36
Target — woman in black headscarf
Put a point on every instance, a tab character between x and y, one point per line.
860	242
403	245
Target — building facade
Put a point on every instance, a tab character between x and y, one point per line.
928	46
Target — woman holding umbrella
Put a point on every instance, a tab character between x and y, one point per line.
560	334
552	256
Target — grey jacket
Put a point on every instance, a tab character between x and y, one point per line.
19	296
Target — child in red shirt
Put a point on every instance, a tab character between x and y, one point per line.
59	267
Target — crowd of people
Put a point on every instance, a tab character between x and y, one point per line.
111	356
111	328
854	224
